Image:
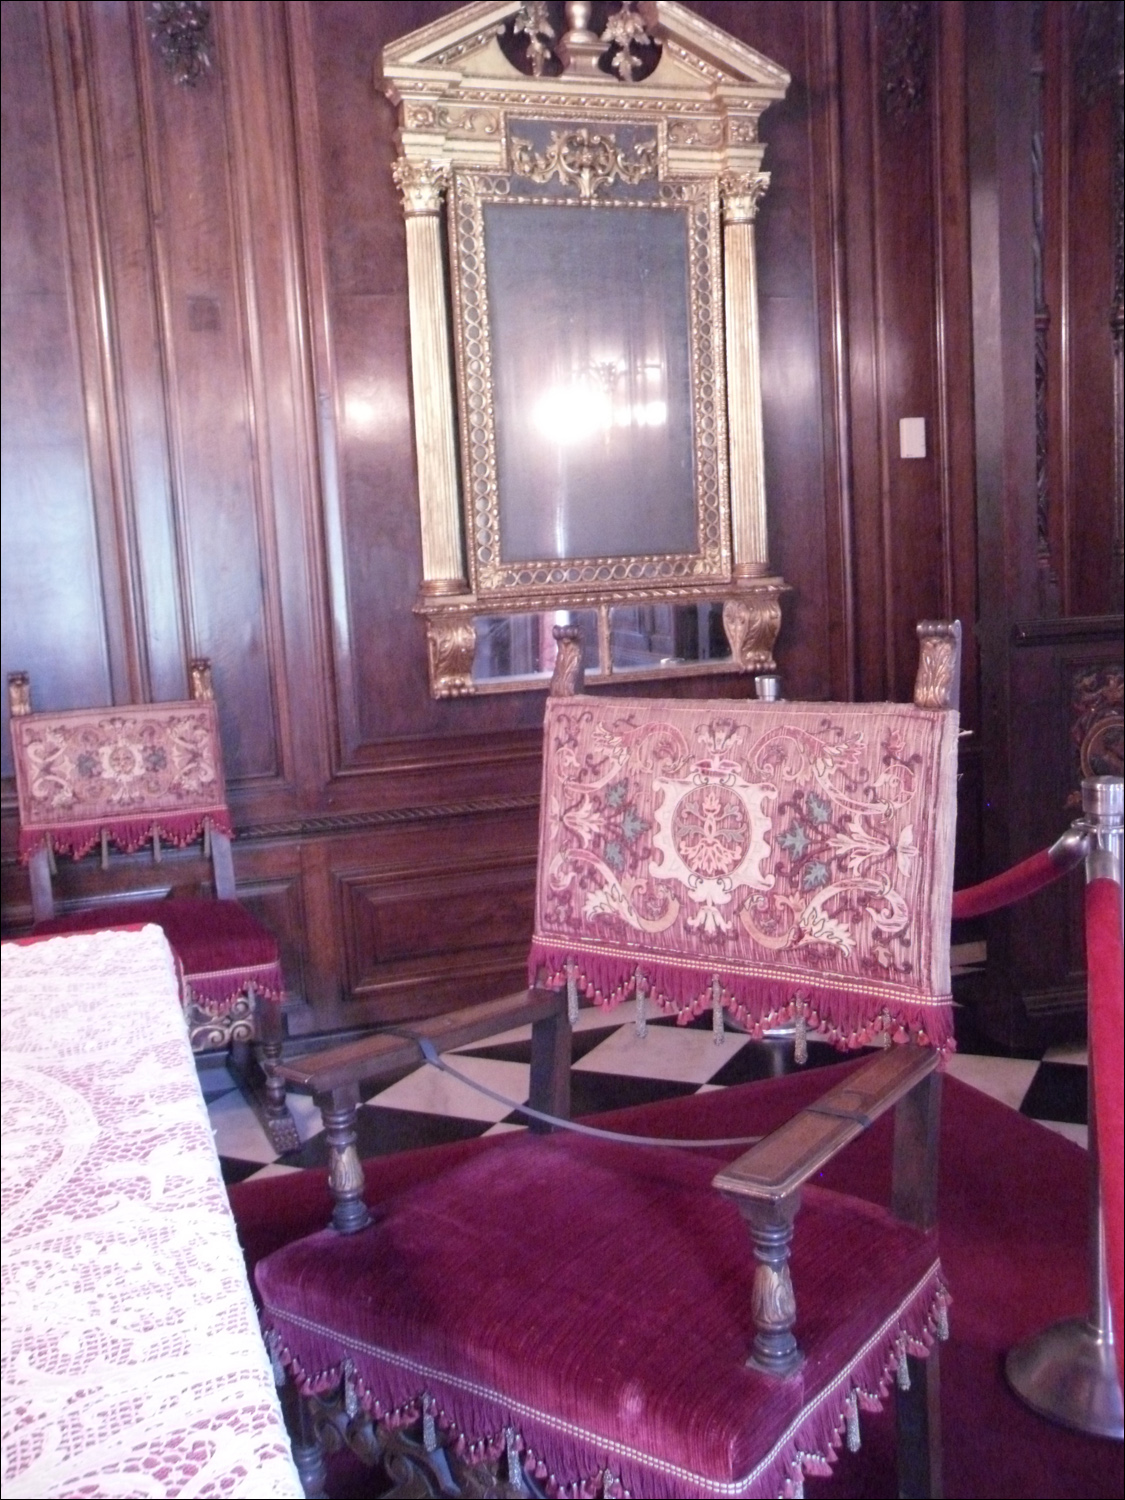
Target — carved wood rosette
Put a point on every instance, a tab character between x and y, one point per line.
1097	724
181	33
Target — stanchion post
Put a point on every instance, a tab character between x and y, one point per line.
1068	1372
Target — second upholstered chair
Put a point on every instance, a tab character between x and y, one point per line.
151	774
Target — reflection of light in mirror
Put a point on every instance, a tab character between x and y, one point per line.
570	414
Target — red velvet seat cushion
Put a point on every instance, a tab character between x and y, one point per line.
221	947
596	1298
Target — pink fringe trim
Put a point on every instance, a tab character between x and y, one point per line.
127	834
311	1355
847	1018
216	993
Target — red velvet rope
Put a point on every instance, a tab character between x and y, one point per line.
1024	879
1107	1019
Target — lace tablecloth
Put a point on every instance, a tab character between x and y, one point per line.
132	1359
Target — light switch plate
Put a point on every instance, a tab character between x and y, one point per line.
912	437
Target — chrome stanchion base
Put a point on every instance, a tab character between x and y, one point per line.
1069	1374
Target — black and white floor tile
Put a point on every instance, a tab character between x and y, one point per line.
612	1067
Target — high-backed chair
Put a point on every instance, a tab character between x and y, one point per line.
585	1316
152	774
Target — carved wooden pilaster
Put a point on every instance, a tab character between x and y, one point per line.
1047	578
742	193
422	185
904	58
1099	68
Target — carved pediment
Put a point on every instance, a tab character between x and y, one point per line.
453	79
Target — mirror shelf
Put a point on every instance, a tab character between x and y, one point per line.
584	340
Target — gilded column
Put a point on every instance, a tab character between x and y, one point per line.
422	185
742	192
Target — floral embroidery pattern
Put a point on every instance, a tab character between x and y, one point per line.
126	769
757	838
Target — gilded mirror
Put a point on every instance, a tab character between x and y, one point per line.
584	339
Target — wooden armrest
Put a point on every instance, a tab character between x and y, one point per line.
334	1076
385	1052
765	1182
779	1164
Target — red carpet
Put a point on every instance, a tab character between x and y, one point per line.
1013	1225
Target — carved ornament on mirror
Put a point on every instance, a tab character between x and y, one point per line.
580	210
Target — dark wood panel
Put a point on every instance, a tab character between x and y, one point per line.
200	259
1066	695
356	253
429	913
115	164
54	616
1093	572
400	929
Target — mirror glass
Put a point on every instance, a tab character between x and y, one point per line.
523	646
665	635
588	312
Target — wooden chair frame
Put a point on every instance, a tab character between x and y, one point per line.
252	1028
764	1183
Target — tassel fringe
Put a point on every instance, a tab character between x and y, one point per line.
126	834
477	1427
862	1015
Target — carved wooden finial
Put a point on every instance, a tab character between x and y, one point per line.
938	683
199	670
19	694
569	676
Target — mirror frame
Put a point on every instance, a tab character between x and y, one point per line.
464	110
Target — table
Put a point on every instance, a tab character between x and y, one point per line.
132	1361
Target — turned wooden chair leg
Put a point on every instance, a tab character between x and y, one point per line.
308	1450
345	1171
278	1122
918	1416
550	1070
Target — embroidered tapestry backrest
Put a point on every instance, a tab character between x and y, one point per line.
788	860
130	772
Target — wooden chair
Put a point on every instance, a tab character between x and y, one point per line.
152	774
577	1316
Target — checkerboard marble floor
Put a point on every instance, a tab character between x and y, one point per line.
612	1067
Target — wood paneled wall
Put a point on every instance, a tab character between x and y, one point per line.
1047	175
207	443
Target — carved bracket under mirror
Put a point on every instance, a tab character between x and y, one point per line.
587	398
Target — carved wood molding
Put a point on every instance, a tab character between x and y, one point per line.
181	33
1097	723
385	817
905	52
